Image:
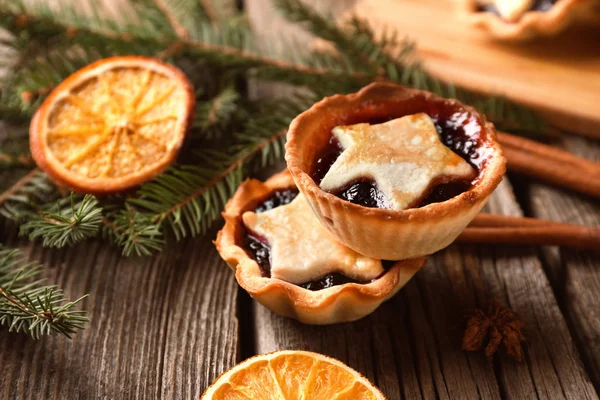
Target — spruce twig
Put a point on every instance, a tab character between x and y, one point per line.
238	163
134	232
7	194
62	225
16	160
28	306
179	29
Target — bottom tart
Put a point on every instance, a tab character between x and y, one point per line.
292	265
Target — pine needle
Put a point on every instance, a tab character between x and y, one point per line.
134	232
213	116
28	306
64	225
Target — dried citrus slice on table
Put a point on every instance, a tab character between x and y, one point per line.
292	375
112	125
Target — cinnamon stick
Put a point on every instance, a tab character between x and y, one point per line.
575	177
548	153
497	220
580	237
549	164
491	228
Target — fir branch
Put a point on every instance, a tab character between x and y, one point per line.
40	22
173	18
27	306
46	72
134	232
226	45
14	148
212	116
8	160
187	199
65	225
325	28
185	15
12	108
12	192
27	195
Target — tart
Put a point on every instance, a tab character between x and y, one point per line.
286	260
404	129
525	19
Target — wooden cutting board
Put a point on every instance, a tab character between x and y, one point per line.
559	76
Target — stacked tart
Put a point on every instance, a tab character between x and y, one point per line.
385	174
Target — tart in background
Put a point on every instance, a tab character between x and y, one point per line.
525	19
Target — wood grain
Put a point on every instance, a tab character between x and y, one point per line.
575	274
162	327
410	347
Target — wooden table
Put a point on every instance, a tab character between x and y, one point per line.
165	327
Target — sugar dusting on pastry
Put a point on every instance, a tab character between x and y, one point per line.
302	250
403	156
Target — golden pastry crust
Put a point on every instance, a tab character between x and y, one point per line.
532	23
341	303
381	233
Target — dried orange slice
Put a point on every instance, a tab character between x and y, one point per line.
112	125
292	375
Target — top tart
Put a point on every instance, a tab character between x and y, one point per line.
392	172
525	19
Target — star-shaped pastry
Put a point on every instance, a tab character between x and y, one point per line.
301	248
510	10
403	156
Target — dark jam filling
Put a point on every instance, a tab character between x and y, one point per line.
459	132
279	198
261	251
539	5
365	193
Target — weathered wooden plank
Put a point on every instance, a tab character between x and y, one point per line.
202	334
411	345
575	275
161	327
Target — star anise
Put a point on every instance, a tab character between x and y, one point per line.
499	325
